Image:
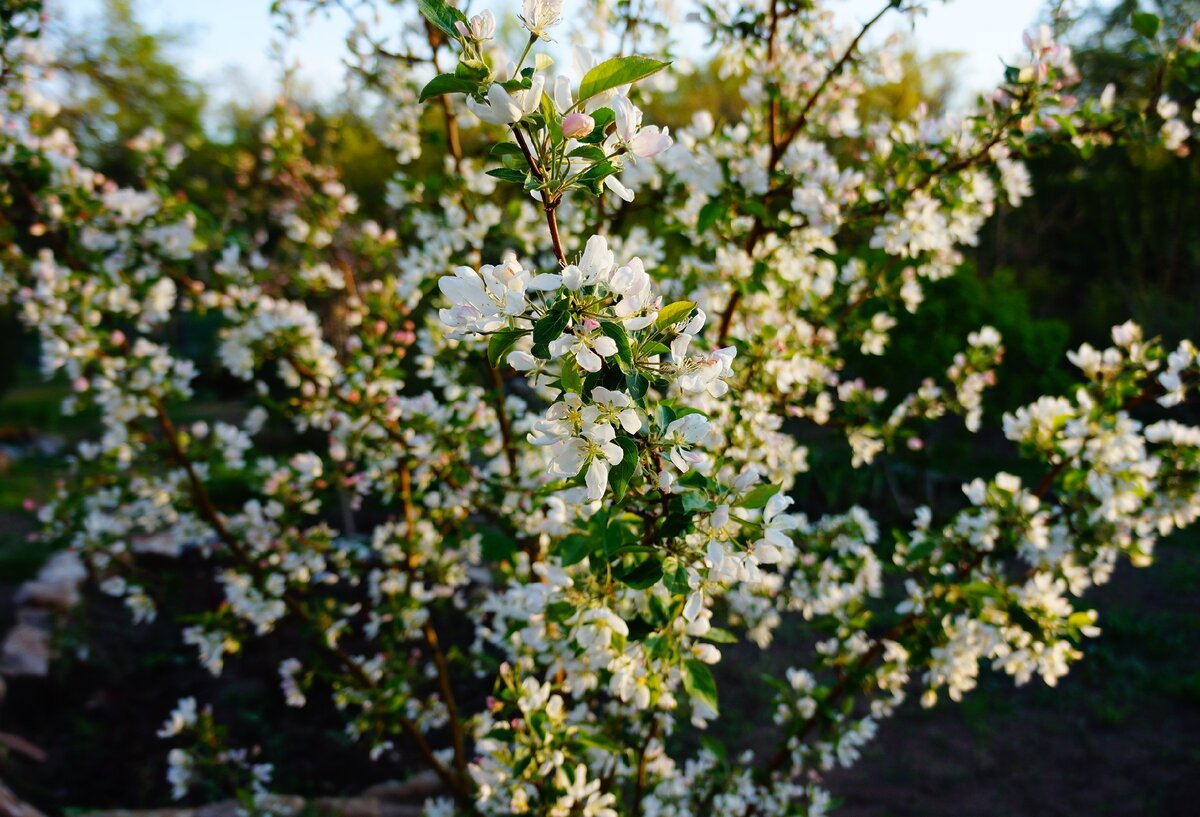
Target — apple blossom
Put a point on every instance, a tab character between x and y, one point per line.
564	430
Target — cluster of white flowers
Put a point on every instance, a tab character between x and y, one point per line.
583	454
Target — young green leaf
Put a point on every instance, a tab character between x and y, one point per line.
709	214
615	72
603	117
550	328
589	152
505	174
672	314
448	84
594	740
621	338
572	549
501	149
641	576
758	496
637	384
698	502
699	682
720	636
572	380
443	15
500	343
1146	23
620	474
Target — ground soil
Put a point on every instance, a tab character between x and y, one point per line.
1117	738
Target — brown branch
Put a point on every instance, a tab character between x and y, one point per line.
552	223
777	149
453	141
337	654
443	673
780	147
639	789
908	623
549	205
773	107
506	436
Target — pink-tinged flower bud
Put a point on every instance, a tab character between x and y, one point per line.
481	27
590	324
577	125
80	384
117	337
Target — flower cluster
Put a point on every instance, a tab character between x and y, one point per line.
545	428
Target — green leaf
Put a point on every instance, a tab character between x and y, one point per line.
550	328
646	574
560	611
623	549
573	548
672	314
506	174
500	343
755	208
699	682
603	118
758	497
719	636
621	338
1146	23
637	385
713	745
589	152
497	547
571	379
501	149
653	347
619	533
443	15
522	764
709	214
620	474
677	582
616	72
448	84
475	70
922	550
980	590
597	172
601	742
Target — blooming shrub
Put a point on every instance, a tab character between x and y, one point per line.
570	375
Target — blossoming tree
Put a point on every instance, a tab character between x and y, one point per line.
569	375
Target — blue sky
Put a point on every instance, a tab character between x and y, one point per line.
230	38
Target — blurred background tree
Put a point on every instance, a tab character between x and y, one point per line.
120	79
1115	237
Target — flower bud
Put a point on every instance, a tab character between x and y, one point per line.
577	125
482	27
